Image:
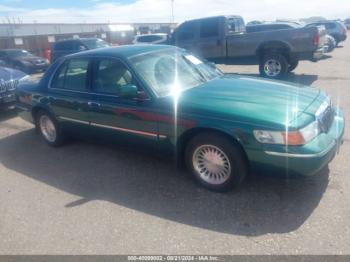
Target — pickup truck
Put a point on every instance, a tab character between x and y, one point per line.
223	39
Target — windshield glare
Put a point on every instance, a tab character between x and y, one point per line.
167	72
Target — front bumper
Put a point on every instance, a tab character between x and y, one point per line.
7	99
307	159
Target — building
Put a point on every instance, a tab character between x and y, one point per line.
37	38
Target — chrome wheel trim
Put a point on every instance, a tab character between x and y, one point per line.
211	164
48	128
272	68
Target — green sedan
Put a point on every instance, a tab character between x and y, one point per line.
164	98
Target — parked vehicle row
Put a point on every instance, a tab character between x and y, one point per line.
160	96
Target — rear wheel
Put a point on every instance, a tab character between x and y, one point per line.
273	65
215	162
49	128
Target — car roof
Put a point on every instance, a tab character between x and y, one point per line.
13	49
78	39
125	51
157	34
214	17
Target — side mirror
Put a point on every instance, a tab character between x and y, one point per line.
128	91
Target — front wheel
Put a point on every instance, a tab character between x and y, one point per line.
216	162
49	129
273	65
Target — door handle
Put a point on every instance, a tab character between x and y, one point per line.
94	104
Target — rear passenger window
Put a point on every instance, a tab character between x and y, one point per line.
110	77
209	28
72	75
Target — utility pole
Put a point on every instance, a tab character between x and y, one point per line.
172	11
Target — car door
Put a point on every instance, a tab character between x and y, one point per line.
211	42
68	93
125	119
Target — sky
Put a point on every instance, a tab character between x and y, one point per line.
92	11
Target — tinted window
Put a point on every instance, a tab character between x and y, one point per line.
65	45
148	38
110	77
72	75
186	31
209	28
235	25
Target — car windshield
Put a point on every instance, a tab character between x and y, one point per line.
174	70
18	53
95	43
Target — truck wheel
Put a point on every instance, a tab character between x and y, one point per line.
273	65
49	128
216	163
293	65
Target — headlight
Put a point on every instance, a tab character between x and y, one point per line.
292	138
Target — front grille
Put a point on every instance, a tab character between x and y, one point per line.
325	119
8	86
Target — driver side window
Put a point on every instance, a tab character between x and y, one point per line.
110	77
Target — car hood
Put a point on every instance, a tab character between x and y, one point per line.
31	59
252	100
8	74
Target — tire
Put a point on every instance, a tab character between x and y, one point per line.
292	65
276	59
232	173
52	133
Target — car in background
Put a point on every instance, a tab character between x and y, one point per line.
165	98
23	60
71	46
223	39
347	23
151	39
9	80
334	28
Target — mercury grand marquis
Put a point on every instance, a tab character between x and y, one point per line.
220	125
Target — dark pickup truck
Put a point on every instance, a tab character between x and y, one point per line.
223	39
